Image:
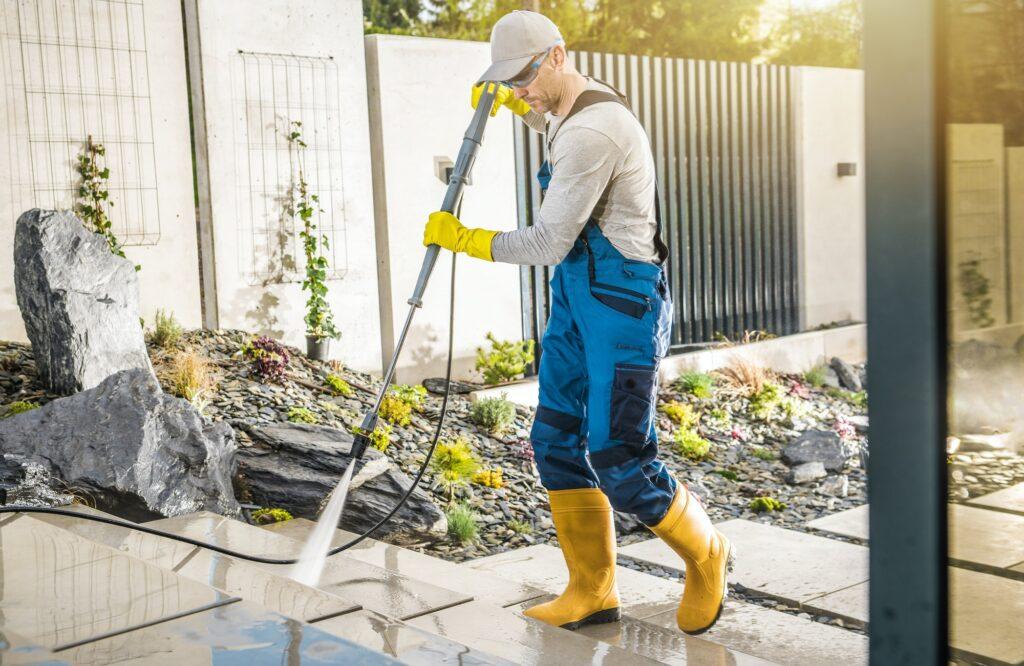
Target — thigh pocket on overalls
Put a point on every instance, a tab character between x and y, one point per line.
626	301
632	402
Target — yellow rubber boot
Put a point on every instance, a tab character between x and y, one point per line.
586	532
707	555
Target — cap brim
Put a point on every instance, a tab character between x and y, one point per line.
503	70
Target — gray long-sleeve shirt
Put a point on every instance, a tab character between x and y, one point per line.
602	166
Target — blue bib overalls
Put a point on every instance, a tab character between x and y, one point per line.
607	332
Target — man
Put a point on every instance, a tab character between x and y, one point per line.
594	434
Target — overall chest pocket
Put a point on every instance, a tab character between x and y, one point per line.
634	390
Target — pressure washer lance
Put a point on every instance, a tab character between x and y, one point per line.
452	201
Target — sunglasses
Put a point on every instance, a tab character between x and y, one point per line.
530	72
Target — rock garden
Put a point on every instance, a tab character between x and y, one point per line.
229	421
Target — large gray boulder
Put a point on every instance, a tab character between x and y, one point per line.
295	466
137	451
822	446
79	302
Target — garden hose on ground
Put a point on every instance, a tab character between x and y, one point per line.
452	203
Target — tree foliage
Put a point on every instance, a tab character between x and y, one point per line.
708	29
826	37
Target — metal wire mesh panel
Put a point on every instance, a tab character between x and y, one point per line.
722	141
271	92
74	69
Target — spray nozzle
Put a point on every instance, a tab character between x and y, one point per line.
362	436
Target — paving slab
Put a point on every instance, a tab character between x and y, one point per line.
240	633
374	588
777	562
451	576
265	588
983	536
396	639
146	547
666	645
1007	499
510	635
850	523
58	588
16	649
986	615
543	567
779	637
645	597
850	604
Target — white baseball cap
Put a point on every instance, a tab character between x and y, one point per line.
517	38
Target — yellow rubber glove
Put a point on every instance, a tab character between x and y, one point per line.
504	97
444	229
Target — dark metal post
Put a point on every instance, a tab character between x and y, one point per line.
906	335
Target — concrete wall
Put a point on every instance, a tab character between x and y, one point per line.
264	64
419	110
976	221
1015	221
115	71
829	128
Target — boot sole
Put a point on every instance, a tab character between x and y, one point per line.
600	617
730	563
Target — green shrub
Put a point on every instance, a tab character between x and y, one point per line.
495	414
302	415
690	444
720	417
507	359
680	413
726	474
763	504
18	407
413	395
763	453
455	464
697	384
166	330
338	385
462	524
395	410
816	375
380	438
267	516
520	527
858	399
490	478
765	402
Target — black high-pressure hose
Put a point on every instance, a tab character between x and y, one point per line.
13	508
452	203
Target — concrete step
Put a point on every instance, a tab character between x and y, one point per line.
374	588
65	599
280	594
986	616
978	535
792	566
666	645
398	639
522	640
238	633
235	577
419	566
1007	499
745	631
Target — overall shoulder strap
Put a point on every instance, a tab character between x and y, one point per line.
590	97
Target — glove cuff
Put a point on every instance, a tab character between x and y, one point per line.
478	243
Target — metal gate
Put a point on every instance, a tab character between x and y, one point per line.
721	133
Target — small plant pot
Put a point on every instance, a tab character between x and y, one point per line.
317	349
